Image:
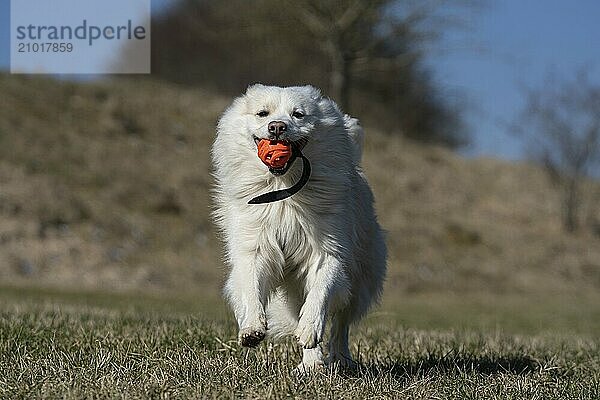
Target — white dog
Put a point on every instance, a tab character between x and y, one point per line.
316	253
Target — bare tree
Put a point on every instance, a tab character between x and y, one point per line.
562	122
374	51
362	36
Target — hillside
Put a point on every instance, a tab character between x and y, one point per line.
106	186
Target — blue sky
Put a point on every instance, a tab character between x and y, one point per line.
510	45
507	45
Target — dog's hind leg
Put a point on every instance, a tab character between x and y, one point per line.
282	313
339	353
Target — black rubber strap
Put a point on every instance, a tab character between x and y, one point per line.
285	193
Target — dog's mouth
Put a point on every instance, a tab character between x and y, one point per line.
278	155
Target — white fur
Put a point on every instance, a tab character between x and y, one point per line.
316	254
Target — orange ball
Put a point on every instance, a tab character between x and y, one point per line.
274	153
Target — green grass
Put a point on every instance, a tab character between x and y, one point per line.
76	345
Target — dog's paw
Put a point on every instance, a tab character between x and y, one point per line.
341	361
312	361
306	368
251	336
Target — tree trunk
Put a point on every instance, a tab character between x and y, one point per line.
339	80
571	204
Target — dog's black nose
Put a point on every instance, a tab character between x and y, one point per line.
277	128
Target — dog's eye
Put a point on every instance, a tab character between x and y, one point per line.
298	114
262	113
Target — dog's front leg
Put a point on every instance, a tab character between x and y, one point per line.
326	281
247	289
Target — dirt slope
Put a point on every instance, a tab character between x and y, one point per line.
107	186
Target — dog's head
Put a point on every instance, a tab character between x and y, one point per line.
294	116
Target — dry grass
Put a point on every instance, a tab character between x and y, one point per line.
57	345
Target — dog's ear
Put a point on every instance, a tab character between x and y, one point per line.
329	107
313	92
255	86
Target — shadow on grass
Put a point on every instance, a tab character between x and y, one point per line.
451	364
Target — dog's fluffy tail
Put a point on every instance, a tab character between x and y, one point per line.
356	133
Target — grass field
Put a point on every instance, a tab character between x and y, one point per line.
94	345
